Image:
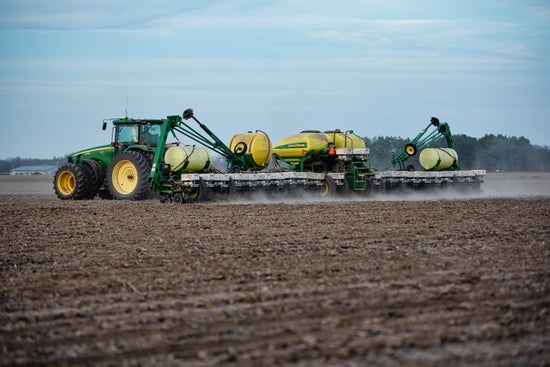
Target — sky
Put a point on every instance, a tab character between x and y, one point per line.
380	68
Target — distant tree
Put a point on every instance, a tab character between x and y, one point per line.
467	146
384	148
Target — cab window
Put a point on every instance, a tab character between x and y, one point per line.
127	134
150	134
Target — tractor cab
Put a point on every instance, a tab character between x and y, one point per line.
130	132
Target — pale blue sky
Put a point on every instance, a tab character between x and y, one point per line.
377	67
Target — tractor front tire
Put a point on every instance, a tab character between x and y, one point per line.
127	176
71	182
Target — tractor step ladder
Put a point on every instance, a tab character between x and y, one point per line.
359	178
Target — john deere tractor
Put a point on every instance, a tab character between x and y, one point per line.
118	170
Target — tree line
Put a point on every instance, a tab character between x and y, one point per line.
491	152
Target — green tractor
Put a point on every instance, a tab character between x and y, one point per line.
118	170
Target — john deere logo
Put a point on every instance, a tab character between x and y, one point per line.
292	145
240	148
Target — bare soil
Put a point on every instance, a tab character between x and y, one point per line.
349	283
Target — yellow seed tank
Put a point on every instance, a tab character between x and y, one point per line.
255	146
189	158
438	158
300	145
345	140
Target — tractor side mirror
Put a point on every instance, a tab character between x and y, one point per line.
104	127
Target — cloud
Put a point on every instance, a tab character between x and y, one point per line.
169	14
408	23
88	15
542	14
355	37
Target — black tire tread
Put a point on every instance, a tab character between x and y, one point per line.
81	182
143	168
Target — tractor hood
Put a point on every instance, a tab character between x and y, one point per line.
103	153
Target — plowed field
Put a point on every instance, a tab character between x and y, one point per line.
347	283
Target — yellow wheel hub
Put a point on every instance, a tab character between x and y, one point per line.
125	177
410	149
66	182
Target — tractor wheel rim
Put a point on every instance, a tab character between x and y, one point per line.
125	177
66	183
325	189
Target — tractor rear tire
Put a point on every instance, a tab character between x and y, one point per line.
127	176
71	182
96	175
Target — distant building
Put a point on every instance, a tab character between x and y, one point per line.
33	170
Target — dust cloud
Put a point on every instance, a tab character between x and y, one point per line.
516	184
496	185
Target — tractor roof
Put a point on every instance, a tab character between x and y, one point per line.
126	120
